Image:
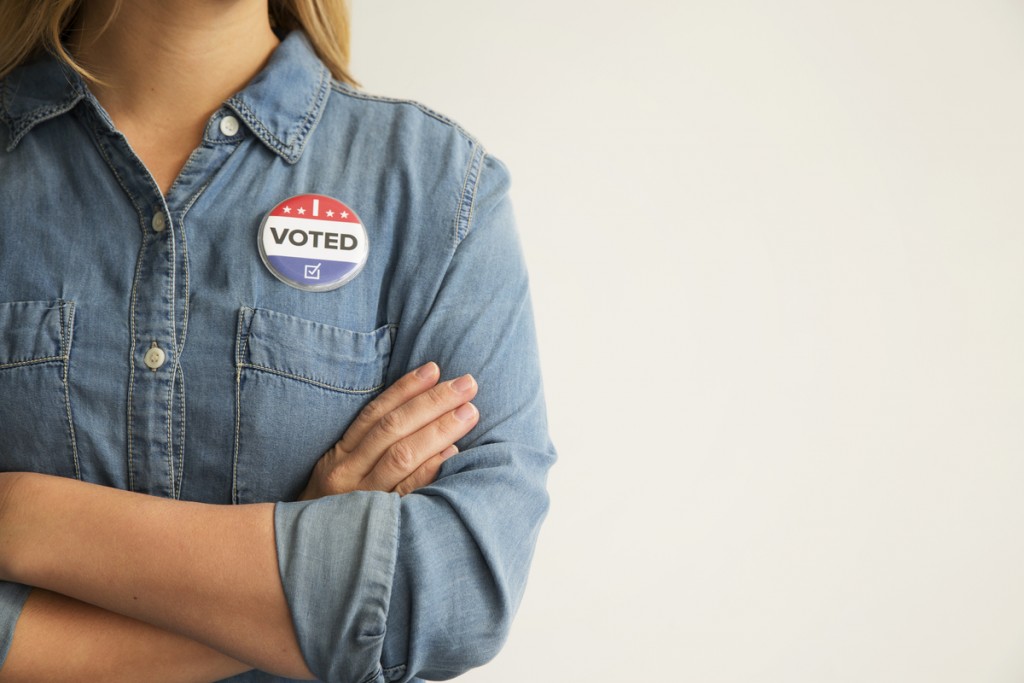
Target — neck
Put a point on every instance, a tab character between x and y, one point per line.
171	63
167	66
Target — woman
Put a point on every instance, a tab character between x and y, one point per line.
180	317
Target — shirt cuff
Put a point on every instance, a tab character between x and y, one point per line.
337	558
12	599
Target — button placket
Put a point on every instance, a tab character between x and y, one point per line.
151	467
151	316
158	308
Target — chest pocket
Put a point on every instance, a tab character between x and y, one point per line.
298	385
36	429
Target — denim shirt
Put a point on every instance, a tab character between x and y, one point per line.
258	378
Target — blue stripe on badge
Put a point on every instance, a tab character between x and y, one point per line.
310	271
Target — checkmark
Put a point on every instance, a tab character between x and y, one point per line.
313	272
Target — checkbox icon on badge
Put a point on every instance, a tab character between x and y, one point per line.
313	272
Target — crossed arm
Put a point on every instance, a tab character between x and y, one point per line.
130	586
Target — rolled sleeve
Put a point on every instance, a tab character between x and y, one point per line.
383	588
12	599
336	557
466	541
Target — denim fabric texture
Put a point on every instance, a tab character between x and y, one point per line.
97	266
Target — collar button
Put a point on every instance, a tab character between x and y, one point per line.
229	125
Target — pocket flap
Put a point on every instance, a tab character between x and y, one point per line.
35	331
330	356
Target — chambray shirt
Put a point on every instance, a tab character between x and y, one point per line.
258	378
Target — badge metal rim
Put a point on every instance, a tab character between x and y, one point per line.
312	288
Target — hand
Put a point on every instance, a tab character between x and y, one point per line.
399	440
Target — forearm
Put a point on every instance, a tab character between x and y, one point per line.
207	572
62	639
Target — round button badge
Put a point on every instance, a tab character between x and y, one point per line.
313	242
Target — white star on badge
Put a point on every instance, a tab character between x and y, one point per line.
344	214
287	209
329	213
301	211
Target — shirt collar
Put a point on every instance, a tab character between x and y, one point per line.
36	92
281	105
284	102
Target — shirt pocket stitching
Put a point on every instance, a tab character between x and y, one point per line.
307	380
379	358
39	314
33	361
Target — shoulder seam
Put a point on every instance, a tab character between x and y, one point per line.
358	95
467	202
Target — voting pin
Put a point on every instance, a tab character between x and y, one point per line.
313	242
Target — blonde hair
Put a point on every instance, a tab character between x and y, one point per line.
31	27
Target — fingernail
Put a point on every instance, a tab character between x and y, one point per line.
465	412
427	370
464	383
449	452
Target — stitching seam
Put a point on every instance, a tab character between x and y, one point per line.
476	185
181	443
307	380
290	150
101	145
66	328
468	198
313	112
354	94
238	409
172	294
33	361
238	419
21	126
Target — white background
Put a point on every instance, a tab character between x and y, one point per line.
776	252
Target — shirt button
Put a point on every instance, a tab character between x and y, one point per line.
229	125
155	357
159	221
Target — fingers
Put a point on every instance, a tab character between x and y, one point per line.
408	386
392	429
408	427
402	459
427	472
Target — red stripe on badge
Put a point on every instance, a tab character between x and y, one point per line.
316	207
